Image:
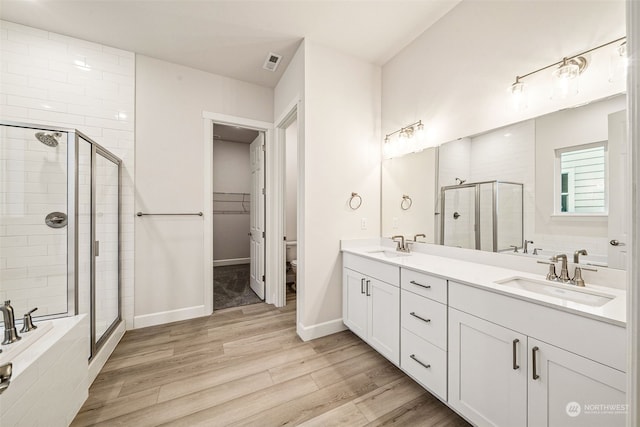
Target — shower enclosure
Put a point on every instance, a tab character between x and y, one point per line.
60	226
482	215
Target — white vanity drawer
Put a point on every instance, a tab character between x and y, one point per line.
424	362
424	284
378	270
424	317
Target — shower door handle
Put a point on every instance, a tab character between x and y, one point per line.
96	248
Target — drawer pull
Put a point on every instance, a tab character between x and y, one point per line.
413	282
420	317
368	293
413	356
515	344
534	350
362	285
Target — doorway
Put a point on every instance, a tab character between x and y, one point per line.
290	145
238	179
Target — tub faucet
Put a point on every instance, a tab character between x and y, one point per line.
564	272
576	255
526	246
10	333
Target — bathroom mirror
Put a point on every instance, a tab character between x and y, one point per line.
556	181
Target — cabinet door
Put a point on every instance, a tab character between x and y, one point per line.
384	319
487	371
571	390
354	304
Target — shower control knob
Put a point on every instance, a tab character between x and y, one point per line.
615	242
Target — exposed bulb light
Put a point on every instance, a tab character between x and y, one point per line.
568	70
622	49
406	142
566	76
518	98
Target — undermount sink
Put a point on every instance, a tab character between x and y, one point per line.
389	253
558	290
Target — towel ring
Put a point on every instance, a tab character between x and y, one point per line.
355	201
406	202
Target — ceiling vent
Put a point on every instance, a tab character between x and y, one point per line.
272	61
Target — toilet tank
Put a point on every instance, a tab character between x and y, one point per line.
292	250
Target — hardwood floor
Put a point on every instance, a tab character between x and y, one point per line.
245	366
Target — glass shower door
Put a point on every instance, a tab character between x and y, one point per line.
459	216
105	250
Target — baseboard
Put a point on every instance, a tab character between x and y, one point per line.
168	316
233	261
307	333
97	363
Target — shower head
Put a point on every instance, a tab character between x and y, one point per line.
461	181
48	139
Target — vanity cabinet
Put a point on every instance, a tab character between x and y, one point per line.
371	304
487	371
423	321
566	389
512	376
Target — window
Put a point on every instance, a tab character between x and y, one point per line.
582	179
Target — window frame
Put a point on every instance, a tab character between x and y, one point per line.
557	186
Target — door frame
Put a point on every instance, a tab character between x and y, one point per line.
290	114
209	119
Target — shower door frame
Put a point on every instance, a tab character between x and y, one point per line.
97	149
476	204
494	195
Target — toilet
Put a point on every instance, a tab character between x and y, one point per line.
292	264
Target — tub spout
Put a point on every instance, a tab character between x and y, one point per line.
10	332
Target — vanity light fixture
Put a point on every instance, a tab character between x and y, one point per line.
565	75
407	133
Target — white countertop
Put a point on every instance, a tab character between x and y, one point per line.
484	276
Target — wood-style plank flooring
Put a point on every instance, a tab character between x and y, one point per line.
245	366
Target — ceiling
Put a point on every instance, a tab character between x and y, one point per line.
233	38
234	134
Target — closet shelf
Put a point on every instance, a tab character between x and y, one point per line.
231	203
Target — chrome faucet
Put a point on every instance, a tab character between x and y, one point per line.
10	333
401	246
526	246
564	272
576	255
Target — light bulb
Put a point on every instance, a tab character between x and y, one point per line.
566	78
518	95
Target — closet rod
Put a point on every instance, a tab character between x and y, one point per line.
172	214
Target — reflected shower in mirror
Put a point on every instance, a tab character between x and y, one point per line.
570	169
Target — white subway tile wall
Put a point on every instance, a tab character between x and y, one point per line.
34	273
51	79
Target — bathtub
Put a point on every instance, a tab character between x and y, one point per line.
50	376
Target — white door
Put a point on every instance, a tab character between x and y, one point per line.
570	390
256	233
618	191
354	306
384	318
487	371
